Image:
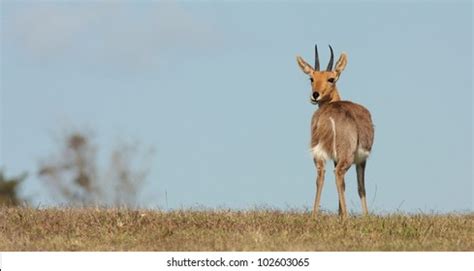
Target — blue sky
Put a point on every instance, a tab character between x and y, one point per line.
215	89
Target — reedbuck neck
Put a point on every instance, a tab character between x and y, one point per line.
341	131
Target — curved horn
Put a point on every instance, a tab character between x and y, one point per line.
331	60
316	58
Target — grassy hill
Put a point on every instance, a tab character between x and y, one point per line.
256	230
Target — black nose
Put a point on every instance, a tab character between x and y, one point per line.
315	96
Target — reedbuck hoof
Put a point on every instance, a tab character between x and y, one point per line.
343	215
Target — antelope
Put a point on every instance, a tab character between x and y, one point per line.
341	131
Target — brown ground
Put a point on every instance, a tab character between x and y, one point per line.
27	229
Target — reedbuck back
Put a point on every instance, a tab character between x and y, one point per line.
341	131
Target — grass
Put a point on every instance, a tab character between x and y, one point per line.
68	229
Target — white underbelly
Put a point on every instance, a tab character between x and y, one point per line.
319	153
361	155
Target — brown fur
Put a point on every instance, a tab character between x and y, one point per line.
341	128
353	126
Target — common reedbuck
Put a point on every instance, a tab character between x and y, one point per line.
341	131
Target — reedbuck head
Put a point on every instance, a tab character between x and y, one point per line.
323	83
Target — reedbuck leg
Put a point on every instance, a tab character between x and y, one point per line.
360	168
340	171
343	187
319	185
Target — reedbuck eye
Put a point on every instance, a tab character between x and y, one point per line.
311	79
331	80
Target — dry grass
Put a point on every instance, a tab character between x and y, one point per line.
26	229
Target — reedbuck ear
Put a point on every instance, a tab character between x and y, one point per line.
341	63
305	67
